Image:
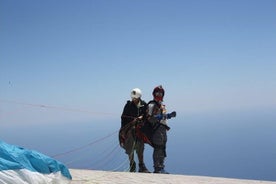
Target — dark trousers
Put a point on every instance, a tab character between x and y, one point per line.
159	140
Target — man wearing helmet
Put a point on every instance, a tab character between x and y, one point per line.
157	118
133	113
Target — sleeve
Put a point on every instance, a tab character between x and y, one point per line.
151	114
125	117
150	109
144	110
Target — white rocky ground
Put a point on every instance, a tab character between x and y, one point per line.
106	177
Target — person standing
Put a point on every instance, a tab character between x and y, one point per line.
133	114
157	118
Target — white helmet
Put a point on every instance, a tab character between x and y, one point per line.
136	93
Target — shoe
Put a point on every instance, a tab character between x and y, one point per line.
143	169
160	171
132	167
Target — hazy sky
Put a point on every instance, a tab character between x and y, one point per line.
60	56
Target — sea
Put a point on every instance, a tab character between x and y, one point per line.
239	144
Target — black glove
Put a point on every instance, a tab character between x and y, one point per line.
171	115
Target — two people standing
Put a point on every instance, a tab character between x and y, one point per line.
150	118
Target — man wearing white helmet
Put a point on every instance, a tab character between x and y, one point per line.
133	113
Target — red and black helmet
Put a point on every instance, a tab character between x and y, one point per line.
158	93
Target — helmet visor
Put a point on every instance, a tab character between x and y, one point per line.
158	94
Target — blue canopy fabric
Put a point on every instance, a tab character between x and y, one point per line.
16	158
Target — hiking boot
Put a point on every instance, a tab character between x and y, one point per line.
143	169
160	171
132	167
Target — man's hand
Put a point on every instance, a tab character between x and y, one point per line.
171	115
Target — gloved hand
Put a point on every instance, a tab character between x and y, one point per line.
171	115
159	116
139	119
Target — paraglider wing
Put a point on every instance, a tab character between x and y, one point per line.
19	165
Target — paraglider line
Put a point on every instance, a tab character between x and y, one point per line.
84	146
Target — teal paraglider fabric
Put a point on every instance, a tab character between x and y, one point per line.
16	158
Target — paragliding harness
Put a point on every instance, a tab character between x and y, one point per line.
135	126
137	134
149	128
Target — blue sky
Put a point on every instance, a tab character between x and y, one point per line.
73	64
210	56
